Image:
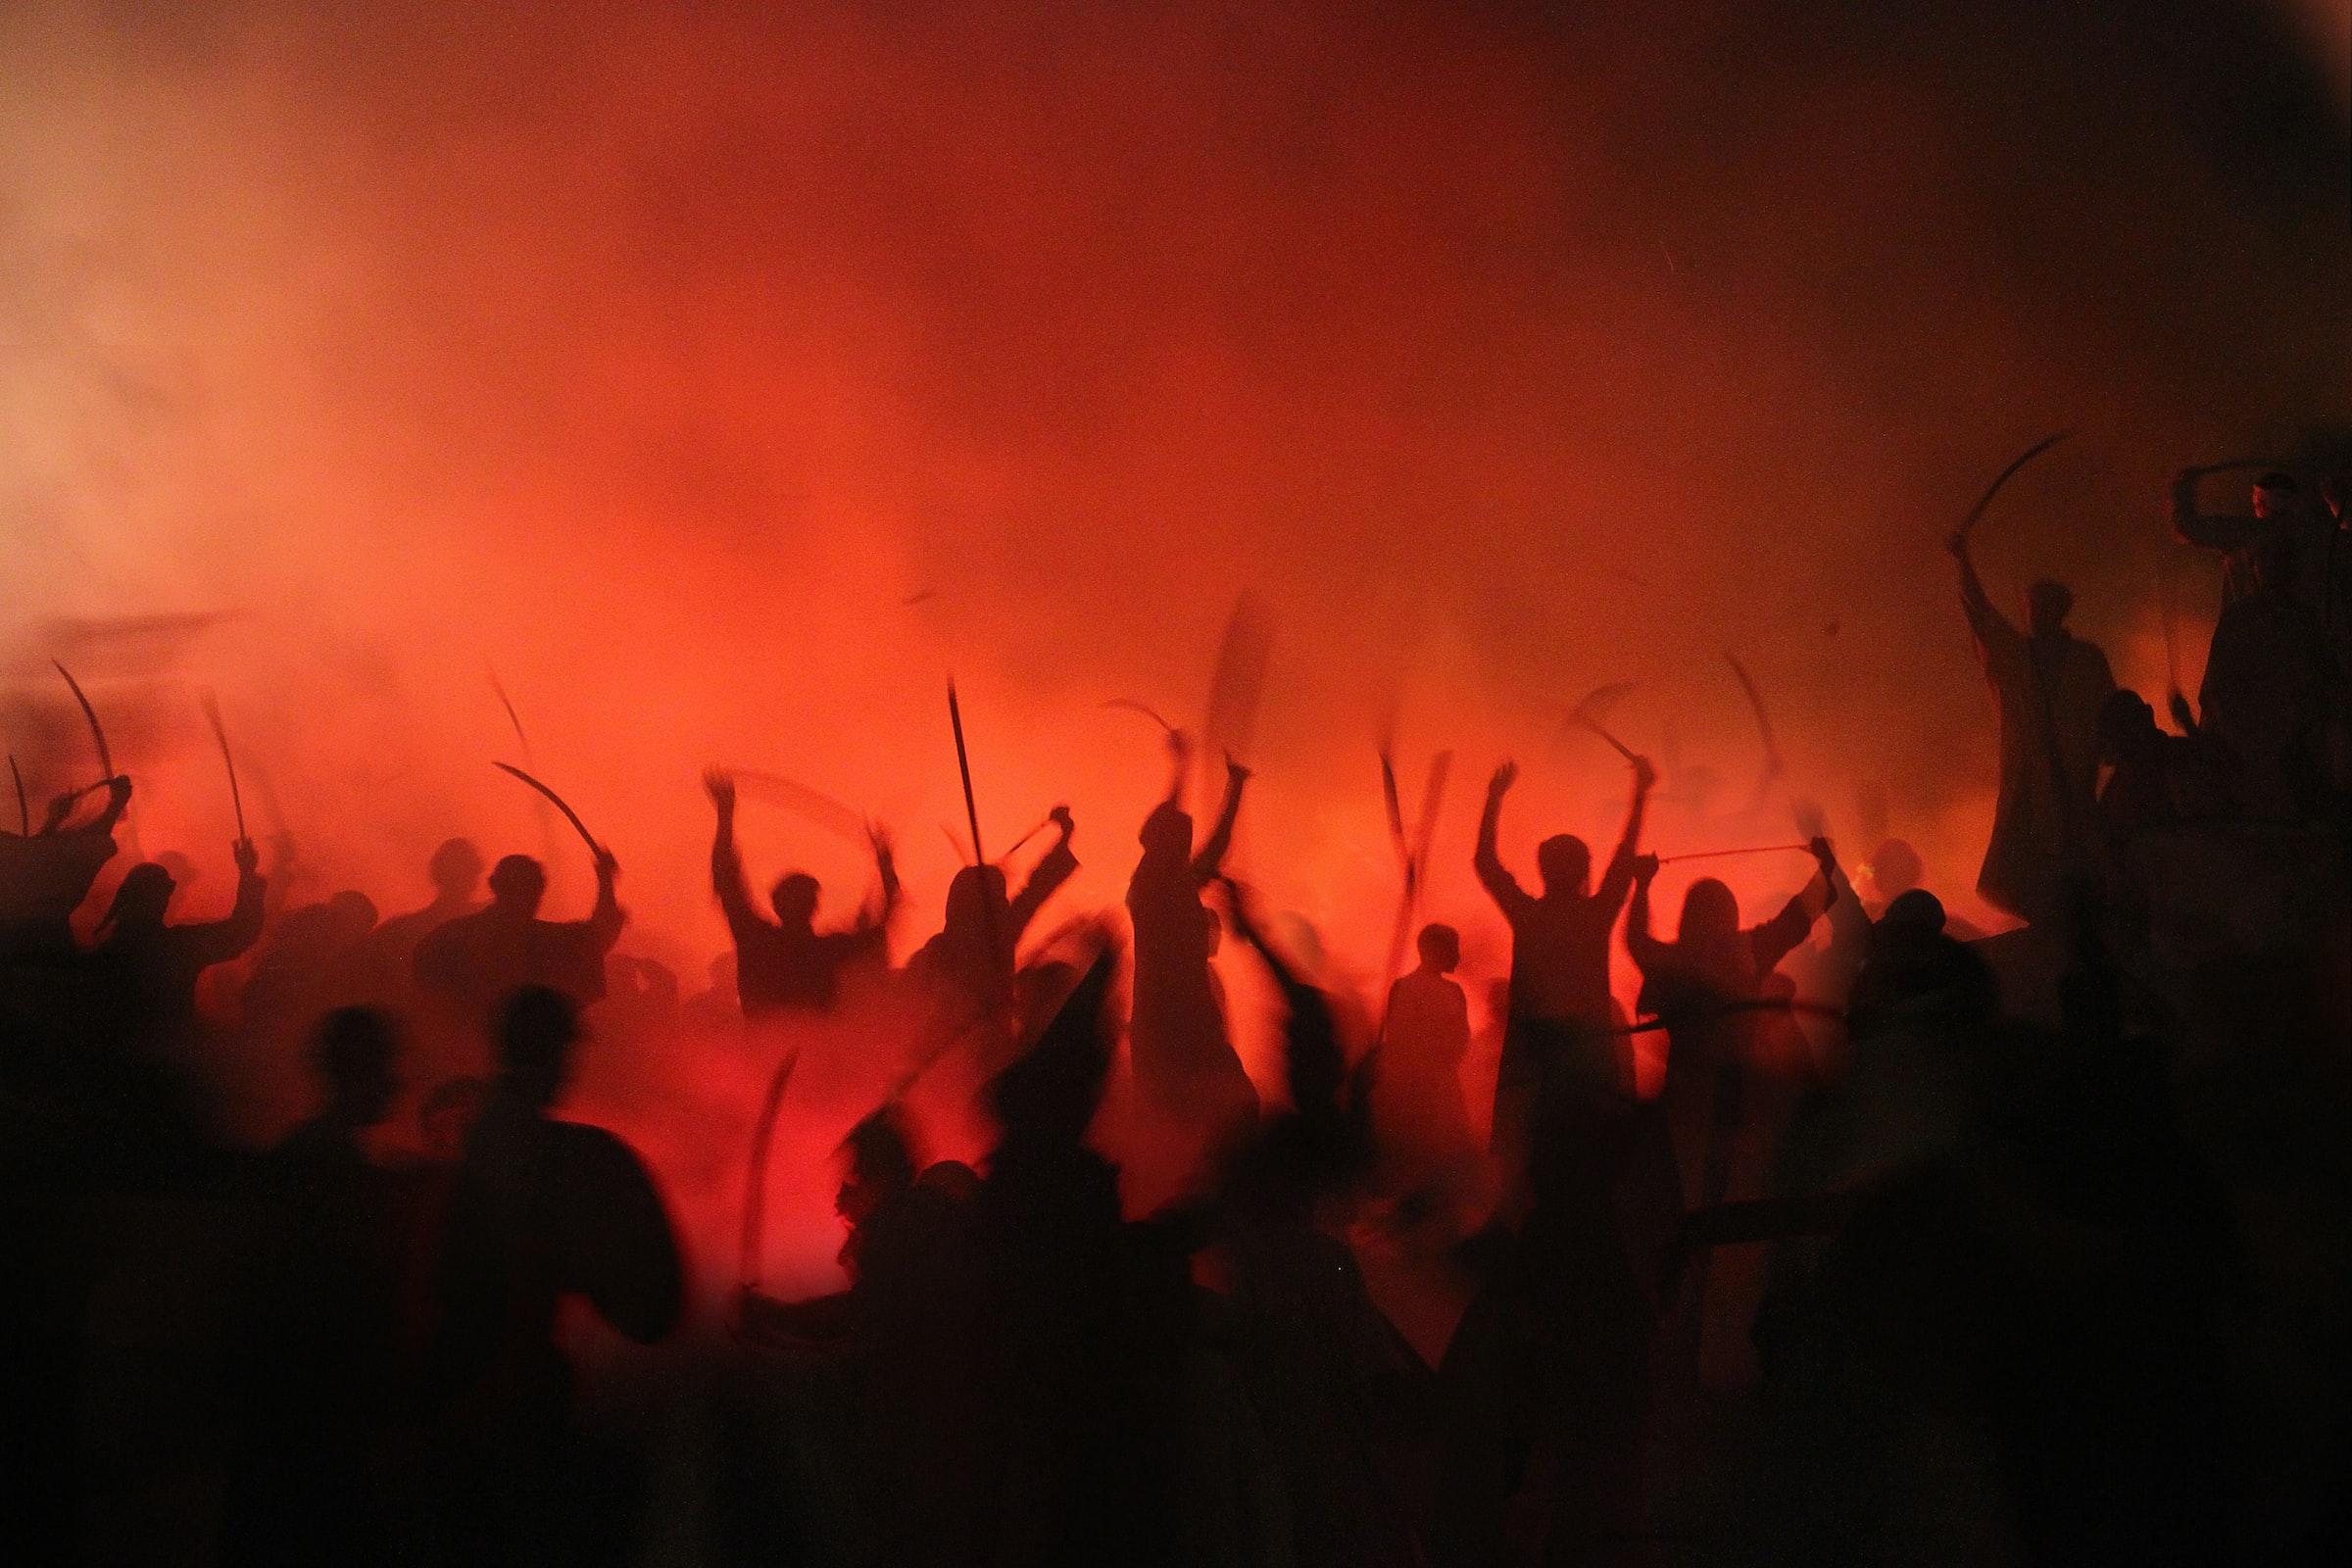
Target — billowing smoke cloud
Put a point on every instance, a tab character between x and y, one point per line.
724	376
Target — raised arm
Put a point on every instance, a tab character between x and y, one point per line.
1989	624
1057	865
727	864
607	918
219	941
874	916
1620	876
1648	952
1500	885
117	796
1211	857
1778	936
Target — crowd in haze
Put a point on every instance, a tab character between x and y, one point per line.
1923	1245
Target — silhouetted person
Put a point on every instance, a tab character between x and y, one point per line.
45	876
389	954
2270	685
543	1209
969	965
1705	984
1185	1067
786	965
912	1328
477	959
317	1352
2278	514
2049	685
310	964
1317	1358
1417	1092
1088	1316
1560	960
150	968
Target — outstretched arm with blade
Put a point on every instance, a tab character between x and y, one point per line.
220	940
1990	627
1619	879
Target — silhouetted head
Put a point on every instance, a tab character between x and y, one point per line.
1895	869
1168	830
881	1159
2277	495
1710	915
537	1027
951	1179
2127	725
456	868
141	899
976	895
1916	910
449	1112
349	915
517	884
794	898
1565	865
351	1050
1441	948
2047	605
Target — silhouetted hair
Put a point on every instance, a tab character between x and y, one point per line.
880	1149
537	1027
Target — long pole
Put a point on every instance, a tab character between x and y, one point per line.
963	766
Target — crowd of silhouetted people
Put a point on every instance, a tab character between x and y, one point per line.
1851	1235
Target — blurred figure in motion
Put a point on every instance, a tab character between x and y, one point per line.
44	876
786	965
316	1364
543	1209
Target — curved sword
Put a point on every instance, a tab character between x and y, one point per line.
1994	489
106	758
570	815
1755	702
211	710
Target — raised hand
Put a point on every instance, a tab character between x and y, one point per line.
1504	777
1645	869
1645	774
1060	817
248	858
606	867
1235	770
720	785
